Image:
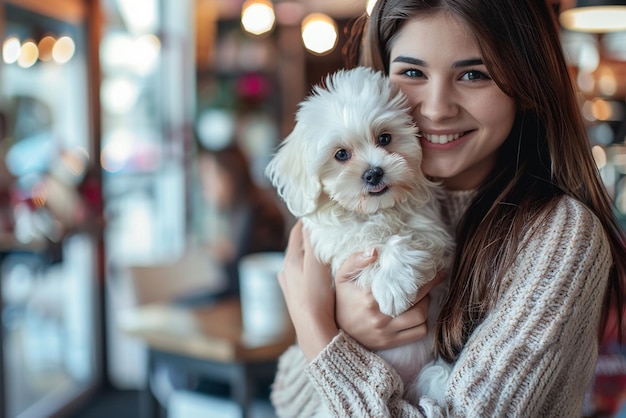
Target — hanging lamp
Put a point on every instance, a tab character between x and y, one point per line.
598	16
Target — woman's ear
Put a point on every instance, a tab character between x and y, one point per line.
291	173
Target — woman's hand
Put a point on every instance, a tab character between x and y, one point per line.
308	291
358	314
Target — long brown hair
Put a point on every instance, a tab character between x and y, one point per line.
546	155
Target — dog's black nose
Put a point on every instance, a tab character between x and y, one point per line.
373	175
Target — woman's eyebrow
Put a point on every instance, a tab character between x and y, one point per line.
468	63
409	60
457	64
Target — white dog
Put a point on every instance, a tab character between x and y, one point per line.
351	170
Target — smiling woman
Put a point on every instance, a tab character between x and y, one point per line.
539	260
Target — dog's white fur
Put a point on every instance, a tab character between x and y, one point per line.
359	123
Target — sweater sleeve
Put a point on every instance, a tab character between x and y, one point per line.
292	394
533	355
535	352
297	386
354	382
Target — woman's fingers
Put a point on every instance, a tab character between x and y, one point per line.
414	321
387	332
354	264
358	313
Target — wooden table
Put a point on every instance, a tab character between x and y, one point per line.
207	341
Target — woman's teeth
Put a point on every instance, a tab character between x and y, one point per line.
441	139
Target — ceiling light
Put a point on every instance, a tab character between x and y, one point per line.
319	33
595	16
257	16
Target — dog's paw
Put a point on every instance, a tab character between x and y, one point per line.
392	298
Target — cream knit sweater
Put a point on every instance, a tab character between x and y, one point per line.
533	356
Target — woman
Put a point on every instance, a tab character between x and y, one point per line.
539	255
243	217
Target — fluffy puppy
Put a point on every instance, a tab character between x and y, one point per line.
351	170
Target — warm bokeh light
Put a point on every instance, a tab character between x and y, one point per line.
28	54
63	50
319	33
11	50
607	82
46	45
597	19
257	16
601	110
599	156
48	48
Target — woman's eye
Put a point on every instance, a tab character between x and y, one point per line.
384	139
413	73
342	155
474	75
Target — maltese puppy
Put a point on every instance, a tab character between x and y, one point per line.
351	170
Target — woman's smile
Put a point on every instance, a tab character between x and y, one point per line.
441	138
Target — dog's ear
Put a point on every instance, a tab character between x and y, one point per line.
291	173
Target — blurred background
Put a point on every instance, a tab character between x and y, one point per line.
133	138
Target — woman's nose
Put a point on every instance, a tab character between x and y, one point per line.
437	102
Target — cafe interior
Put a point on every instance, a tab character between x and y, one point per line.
129	285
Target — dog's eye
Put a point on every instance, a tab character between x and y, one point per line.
384	139
342	155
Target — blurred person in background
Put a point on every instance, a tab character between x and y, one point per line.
239	216
236	217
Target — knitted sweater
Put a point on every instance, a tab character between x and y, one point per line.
533	355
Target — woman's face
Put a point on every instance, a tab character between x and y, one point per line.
462	113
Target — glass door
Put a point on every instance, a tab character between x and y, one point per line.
48	211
